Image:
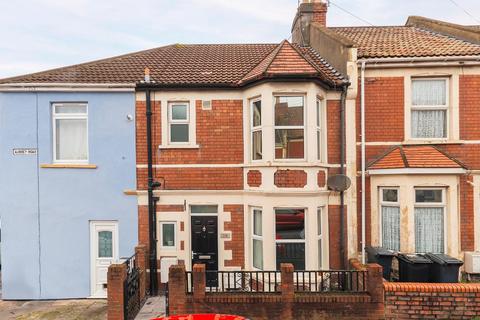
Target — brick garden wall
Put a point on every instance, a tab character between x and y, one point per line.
286	305
432	301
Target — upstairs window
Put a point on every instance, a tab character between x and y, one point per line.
289	127
320	134
70	133
179	122
256	125
429	113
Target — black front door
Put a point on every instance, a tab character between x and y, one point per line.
205	245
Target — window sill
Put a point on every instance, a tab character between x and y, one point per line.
68	166
180	146
433	141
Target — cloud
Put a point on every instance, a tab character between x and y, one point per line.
38	34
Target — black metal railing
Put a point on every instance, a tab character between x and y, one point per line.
238	281
131	293
352	281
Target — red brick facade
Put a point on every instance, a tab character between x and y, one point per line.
321	179
290	178
334	238
254	178
237	242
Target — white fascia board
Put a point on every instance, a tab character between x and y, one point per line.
29	87
417	171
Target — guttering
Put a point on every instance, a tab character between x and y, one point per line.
362	125
54	86
394	62
342	171
151	199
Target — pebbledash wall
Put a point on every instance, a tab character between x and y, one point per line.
46	213
388	99
217	169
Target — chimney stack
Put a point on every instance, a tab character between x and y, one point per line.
309	11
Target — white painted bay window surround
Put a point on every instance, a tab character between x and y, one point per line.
70	133
178	123
256	129
289	127
429	109
257	238
390	215
290	237
430	220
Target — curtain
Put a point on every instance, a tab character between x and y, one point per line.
391	228
429	92
429	124
429	230
71	139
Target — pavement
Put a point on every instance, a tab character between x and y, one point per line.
154	307
85	309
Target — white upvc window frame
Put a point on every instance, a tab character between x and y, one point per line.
303	127
383	203
320	239
254	129
257	237
175	235
172	121
287	241
68	116
445	108
442	204
320	130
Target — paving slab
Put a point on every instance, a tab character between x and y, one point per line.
154	307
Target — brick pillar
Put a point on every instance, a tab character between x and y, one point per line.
142	263
176	289
115	287
288	290
199	282
375	282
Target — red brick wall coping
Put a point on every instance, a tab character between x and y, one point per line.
431	287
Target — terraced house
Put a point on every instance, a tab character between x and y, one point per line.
301	151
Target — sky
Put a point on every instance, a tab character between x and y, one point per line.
43	34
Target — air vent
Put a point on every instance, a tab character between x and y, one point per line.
207	105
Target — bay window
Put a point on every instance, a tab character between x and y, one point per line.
70	132
289	127
257	239
390	215
319	237
320	134
429	220
256	127
290	237
429	110
178	122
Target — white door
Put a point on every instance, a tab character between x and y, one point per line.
104	252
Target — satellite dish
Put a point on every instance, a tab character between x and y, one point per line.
339	182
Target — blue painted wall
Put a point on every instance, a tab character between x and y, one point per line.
46	213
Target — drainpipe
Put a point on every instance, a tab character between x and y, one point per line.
342	171
151	186
362	125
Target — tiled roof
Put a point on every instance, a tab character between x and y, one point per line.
414	157
215	65
404	41
288	59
